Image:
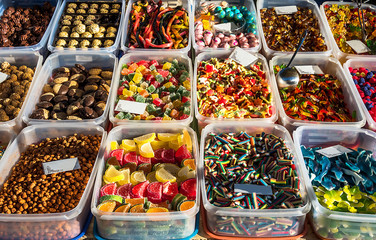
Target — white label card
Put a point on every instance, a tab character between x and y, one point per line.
10	59
308	69
84	58
63	165
225	27
253	188
131	107
286	10
334	151
243	57
358	46
3	77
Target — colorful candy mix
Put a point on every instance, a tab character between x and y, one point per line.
282	31
317	97
226	89
164	86
344	23
153	26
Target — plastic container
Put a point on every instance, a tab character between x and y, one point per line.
56	60
64	225
187	5
171	225
85	228
41	46
153	55
328	65
269	53
336	51
6	136
356	225
250	6
51	45
19	58
202	120
258	216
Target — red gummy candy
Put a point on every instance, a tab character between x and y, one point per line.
129	158
154	62
118	153
164	73
154	192
139	191
188	188
182	153
169	191
124	190
142	160
168	156
108	189
120	90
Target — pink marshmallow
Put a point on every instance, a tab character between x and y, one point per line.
233	43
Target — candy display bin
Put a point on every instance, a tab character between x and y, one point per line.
311	4
159	56
369	63
336	51
334	224
19	58
225	217
168	225
107	61
328	65
65	225
202	120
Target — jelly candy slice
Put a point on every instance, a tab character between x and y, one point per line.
163	175
137	177
113	175
177	200
151	177
108	189
174	145
169	190
145	167
138	208
134	201
139	191
164	204
114	145
168	156
188	188
169	167
116	198
154	192
128	145
187	140
124	191
190	163
127	178
130	157
118	153
145	138
166	137
158	155
183	173
186	205
114	162
123	208
142	159
182	153
156	209
108	206
156	144
146	150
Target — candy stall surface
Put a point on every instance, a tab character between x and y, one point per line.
329	66
63	215
225	24
317	44
162	203
6	137
271	207
229	105
157	82
343	17
10	87
88	25
152	27
68	97
339	179
361	74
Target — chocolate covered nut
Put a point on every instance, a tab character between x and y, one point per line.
73	108
99	108
47	89
63	70
75	92
95	71
40	114
88	112
100	95
106	74
71	84
74	118
47	96
91	87
88	100
93	79
60	98
59	107
60	89
45	104
81	67
104	87
59	115
60	79
78	77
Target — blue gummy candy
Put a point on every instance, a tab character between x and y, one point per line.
325	165
328	184
362	80
355	81
369	75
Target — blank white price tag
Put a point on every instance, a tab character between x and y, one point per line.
225	27
83	58
358	46
63	165
3	77
308	69
334	151
253	188
286	10
131	107
242	57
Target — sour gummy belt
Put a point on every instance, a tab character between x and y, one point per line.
226	89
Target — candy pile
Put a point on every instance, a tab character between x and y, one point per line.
365	82
263	160
164	86
149	174
343	183
226	89
317	97
206	34
153	26
344	23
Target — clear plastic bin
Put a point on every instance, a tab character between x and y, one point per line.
154	55
250	6
356	62
169	225
258	216
187	5
64	225
6	136
19	58
350	225
56	60
202	120
328	65
336	51
41	46
113	49
269	53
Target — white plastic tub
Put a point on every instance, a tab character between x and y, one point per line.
64	225
269	53
324	221
170	225
88	60
160	56
260	217
19	58
202	120
328	65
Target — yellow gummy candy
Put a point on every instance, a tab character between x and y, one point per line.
155	95
127	93
133	88
187	84
168	84
166	66
137	77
